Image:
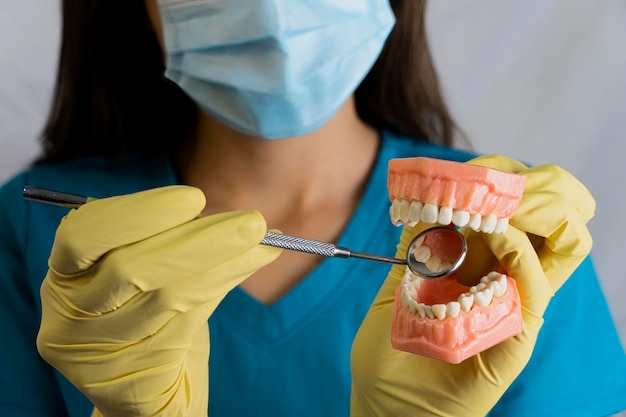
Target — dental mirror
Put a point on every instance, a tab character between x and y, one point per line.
433	253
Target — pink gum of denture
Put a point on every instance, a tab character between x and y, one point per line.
462	186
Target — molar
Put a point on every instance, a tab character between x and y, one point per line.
434	264
483	297
496	281
422	254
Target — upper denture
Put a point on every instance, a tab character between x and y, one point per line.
461	186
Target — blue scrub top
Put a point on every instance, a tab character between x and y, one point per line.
291	357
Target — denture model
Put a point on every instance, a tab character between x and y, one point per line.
442	318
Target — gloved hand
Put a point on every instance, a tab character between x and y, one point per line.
132	281
546	240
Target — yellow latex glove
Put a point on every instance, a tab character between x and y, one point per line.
545	242
132	281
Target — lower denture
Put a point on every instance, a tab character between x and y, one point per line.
454	339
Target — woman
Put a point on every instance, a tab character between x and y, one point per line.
132	280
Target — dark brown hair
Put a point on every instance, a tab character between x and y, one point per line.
111	96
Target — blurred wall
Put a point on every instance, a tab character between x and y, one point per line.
29	37
544	81
541	80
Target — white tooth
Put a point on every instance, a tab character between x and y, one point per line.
445	215
496	288
429	213
394	213
479	287
474	222
410	290
486	279
406	298
415	211
406	278
502	225
493	275
434	264
422	254
404	210
483	298
503	282
413	306
460	218
488	224
419	241
453	308
429	312
445	266
421	310
439	310
466	300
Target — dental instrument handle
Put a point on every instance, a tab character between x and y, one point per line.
316	247
55	197
278	240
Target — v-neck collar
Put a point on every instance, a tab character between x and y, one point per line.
272	321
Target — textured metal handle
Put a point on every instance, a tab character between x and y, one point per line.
299	244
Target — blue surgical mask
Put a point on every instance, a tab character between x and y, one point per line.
272	68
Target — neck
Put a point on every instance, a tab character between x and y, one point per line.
281	178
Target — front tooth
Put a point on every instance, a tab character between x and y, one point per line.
460	218
466	300
502	225
445	215
415	211
429	312
429	213
439	310
421	310
453	308
488	224
483	298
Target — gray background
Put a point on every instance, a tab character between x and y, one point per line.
543	81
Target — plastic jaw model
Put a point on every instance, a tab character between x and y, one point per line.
442	318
